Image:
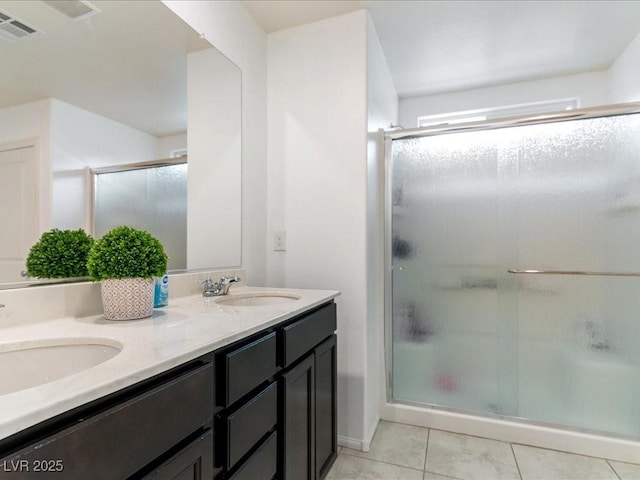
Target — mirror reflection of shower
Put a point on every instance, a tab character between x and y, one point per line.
151	196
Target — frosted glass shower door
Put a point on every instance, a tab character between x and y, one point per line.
472	329
445	223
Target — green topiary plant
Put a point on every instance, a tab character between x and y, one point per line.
60	254
126	252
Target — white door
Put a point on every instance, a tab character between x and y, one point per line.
18	208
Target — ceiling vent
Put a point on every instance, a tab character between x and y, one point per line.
74	9
14	29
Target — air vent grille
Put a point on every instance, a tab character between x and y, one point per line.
74	9
14	29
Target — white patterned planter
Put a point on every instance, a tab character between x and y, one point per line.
127	298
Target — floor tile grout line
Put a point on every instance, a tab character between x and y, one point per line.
443	475
515	459
570	453
386	463
426	451
612	468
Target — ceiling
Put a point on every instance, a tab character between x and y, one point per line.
439	46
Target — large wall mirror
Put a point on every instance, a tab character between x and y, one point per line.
92	86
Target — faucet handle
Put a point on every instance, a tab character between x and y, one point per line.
208	287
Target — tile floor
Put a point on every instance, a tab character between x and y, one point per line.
405	452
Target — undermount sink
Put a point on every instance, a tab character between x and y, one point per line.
29	364
256	299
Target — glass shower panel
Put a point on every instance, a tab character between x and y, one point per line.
445	256
153	199
467	208
578	190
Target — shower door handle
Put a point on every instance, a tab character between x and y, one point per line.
574	272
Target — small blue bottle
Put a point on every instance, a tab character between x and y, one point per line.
161	294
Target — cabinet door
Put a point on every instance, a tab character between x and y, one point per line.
298	421
326	419
194	462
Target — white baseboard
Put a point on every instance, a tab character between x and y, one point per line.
350	442
366	444
358	444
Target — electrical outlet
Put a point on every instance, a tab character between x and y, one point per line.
280	241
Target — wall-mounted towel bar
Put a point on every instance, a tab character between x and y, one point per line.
575	272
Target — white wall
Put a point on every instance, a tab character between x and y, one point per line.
590	88
81	139
232	30
625	74
317	183
169	143
25	122
382	101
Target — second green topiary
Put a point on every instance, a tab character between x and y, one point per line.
60	254
126	252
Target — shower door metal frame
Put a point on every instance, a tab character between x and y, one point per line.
92	179
507	122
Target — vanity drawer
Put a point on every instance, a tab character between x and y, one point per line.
247	425
262	464
243	368
121	440
299	337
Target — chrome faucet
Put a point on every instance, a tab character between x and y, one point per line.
215	289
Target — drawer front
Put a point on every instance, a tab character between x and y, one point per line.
244	368
246	426
262	464
301	336
121	440
194	462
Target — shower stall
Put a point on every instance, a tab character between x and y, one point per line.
513	269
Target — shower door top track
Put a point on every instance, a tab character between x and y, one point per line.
517	121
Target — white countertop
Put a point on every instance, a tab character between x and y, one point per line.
186	329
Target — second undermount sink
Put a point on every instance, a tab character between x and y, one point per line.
256	299
29	364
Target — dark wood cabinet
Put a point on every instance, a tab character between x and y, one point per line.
243	366
309	417
299	356
263	407
194	462
300	336
243	428
326	405
116	442
297	388
262	464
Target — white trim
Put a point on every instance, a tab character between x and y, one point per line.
349	442
360	445
366	444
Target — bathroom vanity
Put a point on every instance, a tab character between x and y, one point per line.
252	396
